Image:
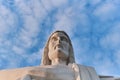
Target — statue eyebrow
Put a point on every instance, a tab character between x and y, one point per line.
52	37
60	36
65	37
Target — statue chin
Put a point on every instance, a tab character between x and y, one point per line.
58	53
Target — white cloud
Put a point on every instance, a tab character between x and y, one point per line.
104	65
29	31
35	56
64	23
25	41
95	2
35	8
112	39
47	4
18	50
117	57
81	49
7	19
31	26
58	3
32	12
23	7
106	11
39	10
78	50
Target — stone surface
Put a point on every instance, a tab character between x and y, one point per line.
58	50
59	72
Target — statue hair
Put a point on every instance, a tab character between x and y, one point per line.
45	58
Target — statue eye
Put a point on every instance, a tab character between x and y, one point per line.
64	39
54	39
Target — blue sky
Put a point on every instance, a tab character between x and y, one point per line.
93	26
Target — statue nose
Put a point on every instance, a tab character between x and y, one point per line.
59	39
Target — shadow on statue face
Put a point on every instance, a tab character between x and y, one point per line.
59	46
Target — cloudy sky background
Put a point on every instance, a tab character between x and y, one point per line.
93	26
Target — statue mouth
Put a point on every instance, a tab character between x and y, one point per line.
58	46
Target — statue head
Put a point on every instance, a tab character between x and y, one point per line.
58	46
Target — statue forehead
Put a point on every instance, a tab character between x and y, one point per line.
59	34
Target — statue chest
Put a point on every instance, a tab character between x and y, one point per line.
56	73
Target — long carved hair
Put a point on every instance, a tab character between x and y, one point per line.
45	58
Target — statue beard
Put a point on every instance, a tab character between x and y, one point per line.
60	54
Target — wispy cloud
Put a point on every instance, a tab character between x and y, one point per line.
8	22
93	26
106	11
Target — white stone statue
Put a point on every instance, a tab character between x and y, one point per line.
58	62
58	50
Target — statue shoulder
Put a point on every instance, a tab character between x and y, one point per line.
83	72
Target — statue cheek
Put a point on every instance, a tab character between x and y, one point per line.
51	45
66	46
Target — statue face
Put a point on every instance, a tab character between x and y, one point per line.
58	46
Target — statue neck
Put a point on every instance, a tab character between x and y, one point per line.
58	62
